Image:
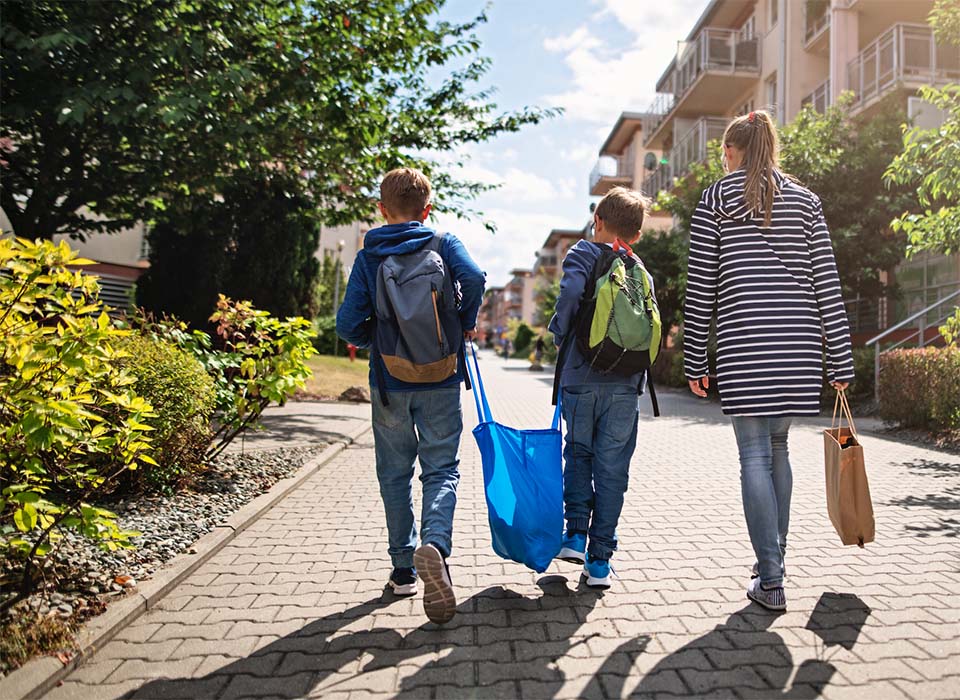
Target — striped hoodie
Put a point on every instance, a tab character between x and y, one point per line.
777	297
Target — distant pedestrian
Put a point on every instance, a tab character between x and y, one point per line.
599	409
761	258
416	406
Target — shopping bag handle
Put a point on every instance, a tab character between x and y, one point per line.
479	394
843	404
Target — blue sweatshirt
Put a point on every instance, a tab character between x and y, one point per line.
357	314
577	266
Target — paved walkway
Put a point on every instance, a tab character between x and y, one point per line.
294	606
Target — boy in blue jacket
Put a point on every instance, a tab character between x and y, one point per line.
600	410
419	419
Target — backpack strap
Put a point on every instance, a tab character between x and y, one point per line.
380	374
558	370
653	392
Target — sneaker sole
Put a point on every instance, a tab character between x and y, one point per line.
439	600
408	589
764	604
594	582
571	556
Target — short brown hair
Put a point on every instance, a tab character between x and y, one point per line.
622	212
405	192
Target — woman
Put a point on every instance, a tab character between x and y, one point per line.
760	255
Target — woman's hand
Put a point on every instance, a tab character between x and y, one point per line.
699	386
840	386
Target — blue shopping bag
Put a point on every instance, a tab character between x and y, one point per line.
523	483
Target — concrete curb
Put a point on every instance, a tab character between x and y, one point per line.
39	675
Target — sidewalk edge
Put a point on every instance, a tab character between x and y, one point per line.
39	675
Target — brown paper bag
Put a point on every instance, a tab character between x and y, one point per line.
848	494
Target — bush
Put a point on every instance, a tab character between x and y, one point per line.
521	340
70	422
862	386
253	358
182	395
668	369
920	388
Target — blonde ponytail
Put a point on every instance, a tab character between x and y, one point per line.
755	135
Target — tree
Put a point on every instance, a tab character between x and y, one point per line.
257	242
843	160
330	270
664	254
548	291
111	109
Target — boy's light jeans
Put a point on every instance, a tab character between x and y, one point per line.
601	436
766	483
424	424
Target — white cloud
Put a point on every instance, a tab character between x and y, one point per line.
605	82
515	185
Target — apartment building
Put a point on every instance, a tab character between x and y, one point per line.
780	55
555	247
624	162
521	293
492	317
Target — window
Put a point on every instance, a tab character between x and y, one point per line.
144	245
749	29
773	9
772	93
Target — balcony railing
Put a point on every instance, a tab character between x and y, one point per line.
659	109
816	19
690	149
618	167
904	53
819	98
714	50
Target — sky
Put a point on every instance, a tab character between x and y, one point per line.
593	58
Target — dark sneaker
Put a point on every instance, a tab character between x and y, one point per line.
439	600
573	548
770	598
403	580
597	572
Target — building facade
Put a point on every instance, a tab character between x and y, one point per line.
779	55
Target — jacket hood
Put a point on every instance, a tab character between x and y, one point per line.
731	197
397	239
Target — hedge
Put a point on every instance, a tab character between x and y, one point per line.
920	388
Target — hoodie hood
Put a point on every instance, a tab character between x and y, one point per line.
397	239
732	200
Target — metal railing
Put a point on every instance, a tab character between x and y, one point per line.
658	110
620	167
921	333
690	149
714	49
819	98
905	52
865	315
816	19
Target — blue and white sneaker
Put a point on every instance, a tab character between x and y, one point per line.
597	572
403	581
770	598
574	548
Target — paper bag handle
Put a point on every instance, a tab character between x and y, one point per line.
843	404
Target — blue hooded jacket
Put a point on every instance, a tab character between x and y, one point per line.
356	315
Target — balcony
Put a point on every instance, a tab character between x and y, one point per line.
819	98
905	56
609	172
816	25
661	106
690	149
710	73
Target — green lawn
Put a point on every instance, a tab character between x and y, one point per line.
333	375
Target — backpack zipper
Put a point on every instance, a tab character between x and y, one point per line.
436	316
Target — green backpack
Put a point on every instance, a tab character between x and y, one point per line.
617	327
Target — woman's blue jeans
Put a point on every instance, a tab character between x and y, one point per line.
766	483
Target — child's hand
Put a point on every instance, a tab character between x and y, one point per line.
470	335
699	386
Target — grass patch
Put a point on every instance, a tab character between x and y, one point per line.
334	375
22	640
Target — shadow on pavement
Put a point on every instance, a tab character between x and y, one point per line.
297	664
285	430
945	499
739	658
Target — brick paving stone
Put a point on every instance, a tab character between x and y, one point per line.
295	605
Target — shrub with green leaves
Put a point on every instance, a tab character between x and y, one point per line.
71	423
920	388
182	395
254	359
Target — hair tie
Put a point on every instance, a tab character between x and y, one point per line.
751	117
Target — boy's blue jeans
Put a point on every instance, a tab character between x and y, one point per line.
601	436
425	424
766	483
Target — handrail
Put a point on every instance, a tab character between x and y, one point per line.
911	318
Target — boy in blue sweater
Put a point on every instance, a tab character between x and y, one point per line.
600	410
419	419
